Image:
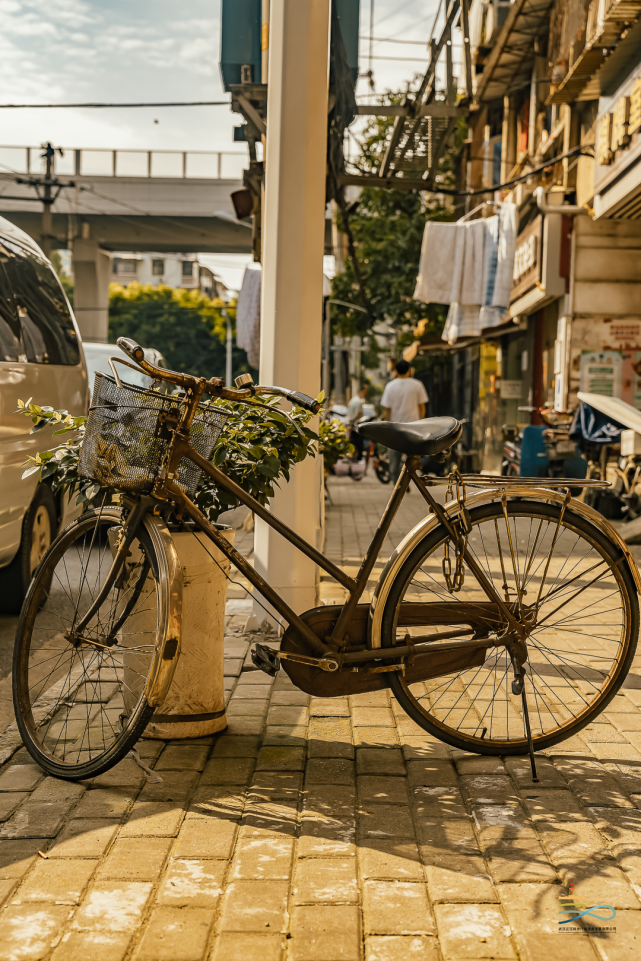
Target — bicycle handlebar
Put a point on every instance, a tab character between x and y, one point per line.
215	385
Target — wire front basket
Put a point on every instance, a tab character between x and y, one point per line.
128	432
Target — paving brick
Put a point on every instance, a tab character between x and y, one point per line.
243	726
235	946
385	821
613	752
325	880
401	948
372	699
396	907
227	770
175	786
112	906
552	805
259	858
417	748
390	860
195	884
566	843
281	735
57	881
317	842
600	792
626	945
521	771
431	772
500	821
473	931
9	801
16	857
29	931
247	707
602	882
96	945
441	802
84	838
175	934
439	839
488	789
372	717
325	932
53	789
227	746
205	838
276	785
290	698
473	764
104	803
519	861
20	777
218	801
294	715
135	859
281	759
153	818
125	774
382	790
329	771
329	707
381	737
380	761
460	878
254	906
183	757
36	819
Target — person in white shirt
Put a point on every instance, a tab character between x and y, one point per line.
403	402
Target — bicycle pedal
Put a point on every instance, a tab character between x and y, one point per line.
265	660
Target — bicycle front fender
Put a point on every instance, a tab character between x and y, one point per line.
485	496
170	581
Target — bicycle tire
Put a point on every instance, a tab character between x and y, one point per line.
574	676
84	715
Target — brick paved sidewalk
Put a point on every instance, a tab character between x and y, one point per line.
326	830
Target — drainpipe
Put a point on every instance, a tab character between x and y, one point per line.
541	196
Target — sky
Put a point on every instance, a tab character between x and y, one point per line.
70	51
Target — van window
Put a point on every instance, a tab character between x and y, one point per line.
45	327
11	349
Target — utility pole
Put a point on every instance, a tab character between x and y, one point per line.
47	201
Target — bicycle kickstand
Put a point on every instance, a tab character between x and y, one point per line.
526	717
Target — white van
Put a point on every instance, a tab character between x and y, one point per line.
40	357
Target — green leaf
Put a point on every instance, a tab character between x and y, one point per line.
30	471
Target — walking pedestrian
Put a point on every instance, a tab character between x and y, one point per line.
403	402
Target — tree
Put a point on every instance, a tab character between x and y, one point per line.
65	279
186	326
387	227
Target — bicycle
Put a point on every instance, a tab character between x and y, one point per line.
503	623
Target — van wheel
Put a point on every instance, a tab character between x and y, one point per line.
38	532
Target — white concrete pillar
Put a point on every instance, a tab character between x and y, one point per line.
91	271
292	288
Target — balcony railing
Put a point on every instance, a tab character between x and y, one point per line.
178	164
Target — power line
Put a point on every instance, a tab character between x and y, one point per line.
61	106
422	43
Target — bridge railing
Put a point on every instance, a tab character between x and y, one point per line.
179	164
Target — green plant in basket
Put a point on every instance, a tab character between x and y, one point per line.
258	446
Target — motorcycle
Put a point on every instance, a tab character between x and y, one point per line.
545	450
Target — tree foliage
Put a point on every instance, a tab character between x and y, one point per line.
387	226
186	326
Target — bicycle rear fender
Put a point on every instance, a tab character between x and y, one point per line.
485	496
170	596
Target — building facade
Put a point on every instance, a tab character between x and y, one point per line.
555	128
173	270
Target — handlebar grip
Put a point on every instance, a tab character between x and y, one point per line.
303	400
131	348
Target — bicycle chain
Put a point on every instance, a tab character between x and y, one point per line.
455	582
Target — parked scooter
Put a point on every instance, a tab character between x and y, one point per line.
608	431
374	453
545	450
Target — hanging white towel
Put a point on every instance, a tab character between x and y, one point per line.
462	321
505	256
441	263
248	316
472	275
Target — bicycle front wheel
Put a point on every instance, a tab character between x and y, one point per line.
563	577
80	697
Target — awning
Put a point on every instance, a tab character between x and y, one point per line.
509	65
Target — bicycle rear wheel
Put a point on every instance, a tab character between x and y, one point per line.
81	702
574	589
